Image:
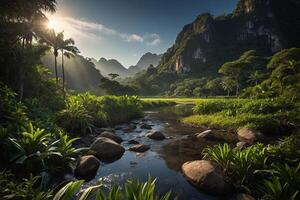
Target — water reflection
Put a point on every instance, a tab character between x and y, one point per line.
164	159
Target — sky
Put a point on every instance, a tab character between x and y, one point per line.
127	29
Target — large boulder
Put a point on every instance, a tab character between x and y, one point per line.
86	166
139	148
111	136
105	148
155	135
204	175
248	135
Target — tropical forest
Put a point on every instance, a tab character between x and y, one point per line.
149	100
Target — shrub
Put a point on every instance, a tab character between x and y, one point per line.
24	190
75	118
85	111
269	171
13	113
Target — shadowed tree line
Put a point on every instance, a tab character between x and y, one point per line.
24	38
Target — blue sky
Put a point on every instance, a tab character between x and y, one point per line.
126	29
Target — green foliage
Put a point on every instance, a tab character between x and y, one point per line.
188	88
112	87
30	146
269	171
221	154
148	104
61	153
133	190
267	115
283	80
13	113
24	190
85	111
75	117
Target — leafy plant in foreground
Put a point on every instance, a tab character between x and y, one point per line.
133	190
24	190
31	146
61	153
221	154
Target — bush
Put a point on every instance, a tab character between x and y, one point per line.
24	190
75	117
13	113
85	111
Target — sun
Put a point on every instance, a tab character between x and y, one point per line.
53	24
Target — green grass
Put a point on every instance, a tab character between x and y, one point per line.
148	104
178	100
266	115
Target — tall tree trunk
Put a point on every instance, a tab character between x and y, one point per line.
21	94
55	64
228	93
63	72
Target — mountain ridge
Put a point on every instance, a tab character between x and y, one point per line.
206	43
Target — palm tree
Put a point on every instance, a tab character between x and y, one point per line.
67	49
55	41
256	77
228	84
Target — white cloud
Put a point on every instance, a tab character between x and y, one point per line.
91	29
132	37
152	39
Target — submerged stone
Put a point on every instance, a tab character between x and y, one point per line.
155	135
139	148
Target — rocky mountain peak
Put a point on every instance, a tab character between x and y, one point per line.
102	59
202	46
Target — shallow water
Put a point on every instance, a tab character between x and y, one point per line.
164	159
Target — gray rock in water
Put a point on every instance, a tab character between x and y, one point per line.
155	135
86	166
139	148
146	126
112	136
129	128
204	175
133	142
105	148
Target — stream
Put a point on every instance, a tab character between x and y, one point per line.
165	157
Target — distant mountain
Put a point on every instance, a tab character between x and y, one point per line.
80	73
111	66
145	61
267	26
